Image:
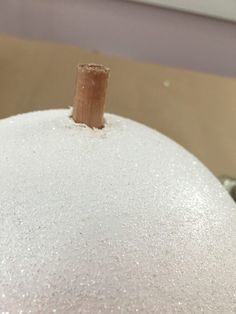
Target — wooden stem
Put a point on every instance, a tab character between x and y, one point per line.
90	94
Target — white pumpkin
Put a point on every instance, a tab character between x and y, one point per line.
117	220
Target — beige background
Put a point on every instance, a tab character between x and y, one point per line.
197	110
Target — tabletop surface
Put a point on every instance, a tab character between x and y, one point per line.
195	109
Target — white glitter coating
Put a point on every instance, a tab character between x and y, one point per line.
118	220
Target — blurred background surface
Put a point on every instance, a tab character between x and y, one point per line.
135	30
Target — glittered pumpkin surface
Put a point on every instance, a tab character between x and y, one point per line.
117	220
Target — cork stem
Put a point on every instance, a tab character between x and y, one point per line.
90	94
